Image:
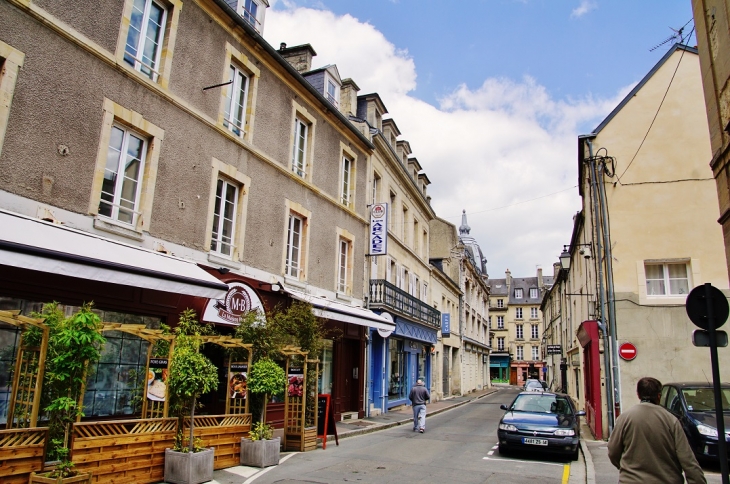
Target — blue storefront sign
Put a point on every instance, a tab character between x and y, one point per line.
445	324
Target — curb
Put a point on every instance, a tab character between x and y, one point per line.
588	459
378	427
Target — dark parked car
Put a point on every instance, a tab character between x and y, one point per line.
540	421
694	405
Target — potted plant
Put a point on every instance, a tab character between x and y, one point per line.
261	449
74	344
191	375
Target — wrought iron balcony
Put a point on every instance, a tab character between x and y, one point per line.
385	295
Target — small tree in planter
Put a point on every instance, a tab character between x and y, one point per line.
265	378
74	343
191	375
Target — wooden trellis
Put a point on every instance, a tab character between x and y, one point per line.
234	406
294	405
30	363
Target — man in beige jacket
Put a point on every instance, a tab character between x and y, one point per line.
648	444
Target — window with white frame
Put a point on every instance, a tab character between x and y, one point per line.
343	273
376	188
299	157
535	353
533	293
294	245
518	293
234	115
250	14
490	322
666	279
145	37
224	218
535	331
120	191
518	313
11	61
520	353
533	313
500	322
345	195
332	93
500	343
500	303
519	330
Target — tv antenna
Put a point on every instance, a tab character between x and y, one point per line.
675	38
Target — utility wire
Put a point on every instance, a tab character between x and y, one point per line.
657	111
516	203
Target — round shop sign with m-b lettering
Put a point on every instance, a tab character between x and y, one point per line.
627	351
239	300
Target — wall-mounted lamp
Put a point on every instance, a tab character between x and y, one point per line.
585	251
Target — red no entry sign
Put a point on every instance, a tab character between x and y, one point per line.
627	351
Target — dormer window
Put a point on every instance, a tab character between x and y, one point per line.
518	293
252	11
332	92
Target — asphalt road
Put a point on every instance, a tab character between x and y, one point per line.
459	446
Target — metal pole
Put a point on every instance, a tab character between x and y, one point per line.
601	293
721	444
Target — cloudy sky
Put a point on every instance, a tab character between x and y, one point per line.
491	95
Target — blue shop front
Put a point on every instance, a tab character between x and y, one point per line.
499	366
397	360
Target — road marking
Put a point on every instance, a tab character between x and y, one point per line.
259	474
566	473
520	460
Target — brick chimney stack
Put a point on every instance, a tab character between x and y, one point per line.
299	56
539	277
348	97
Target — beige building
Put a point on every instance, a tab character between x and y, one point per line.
179	137
712	24
646	235
517	329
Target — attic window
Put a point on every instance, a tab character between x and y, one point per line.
332	94
518	293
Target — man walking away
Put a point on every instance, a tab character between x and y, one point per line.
418	396
648	444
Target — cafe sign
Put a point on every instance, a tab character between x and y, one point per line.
378	229
239	300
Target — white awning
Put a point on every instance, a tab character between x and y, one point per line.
336	311
36	245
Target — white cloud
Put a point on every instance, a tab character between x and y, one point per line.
497	145
582	9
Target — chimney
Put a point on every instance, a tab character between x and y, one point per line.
299	56
539	278
508	278
348	97
556	270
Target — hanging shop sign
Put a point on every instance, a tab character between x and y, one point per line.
554	349
239	300
445	324
378	229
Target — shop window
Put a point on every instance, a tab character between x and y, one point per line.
397	377
9	342
325	367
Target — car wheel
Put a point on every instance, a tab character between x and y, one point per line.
574	455
503	450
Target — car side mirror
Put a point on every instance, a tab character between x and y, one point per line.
580	413
504	407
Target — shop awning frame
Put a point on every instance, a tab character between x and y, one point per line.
37	245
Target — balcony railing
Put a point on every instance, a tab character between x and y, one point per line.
388	296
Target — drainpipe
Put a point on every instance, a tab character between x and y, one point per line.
611	295
601	293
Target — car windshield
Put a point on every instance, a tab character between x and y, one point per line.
542	403
703	399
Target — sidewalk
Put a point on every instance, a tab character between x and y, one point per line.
599	469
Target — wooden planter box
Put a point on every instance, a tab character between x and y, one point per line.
260	453
188	468
84	478
310	439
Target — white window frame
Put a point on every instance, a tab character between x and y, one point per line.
535	353
299	155
295	241
518	293
666	280
251	15
520	353
121	179
343	279
500	303
148	67
332	95
234	113
500	343
376	187
219	241
11	62
533	293
519	331
518	313
346	181
500	322
533	313
535	331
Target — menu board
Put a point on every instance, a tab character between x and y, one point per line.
325	419
238	380
295	385
157	379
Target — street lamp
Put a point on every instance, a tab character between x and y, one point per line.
565	259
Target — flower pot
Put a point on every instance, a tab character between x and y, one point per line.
188	468
260	453
81	478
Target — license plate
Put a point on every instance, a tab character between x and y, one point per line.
534	441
